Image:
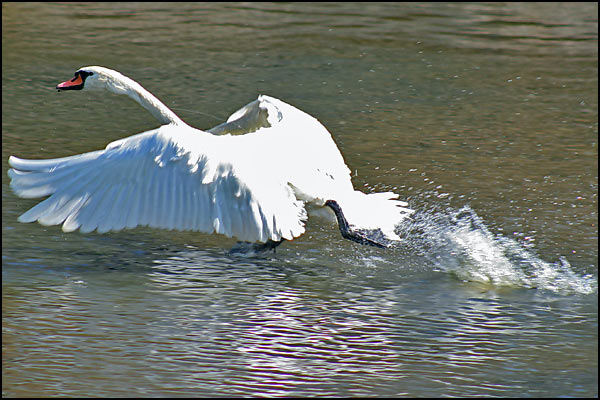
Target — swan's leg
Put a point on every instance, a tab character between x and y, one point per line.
248	248
358	236
268	245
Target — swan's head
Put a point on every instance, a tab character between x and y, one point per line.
95	78
100	78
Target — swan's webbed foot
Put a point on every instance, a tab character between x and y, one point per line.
250	249
369	237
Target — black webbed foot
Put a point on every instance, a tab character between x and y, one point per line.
363	236
247	248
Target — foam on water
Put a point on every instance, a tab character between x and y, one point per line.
459	242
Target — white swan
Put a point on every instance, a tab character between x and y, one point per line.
253	187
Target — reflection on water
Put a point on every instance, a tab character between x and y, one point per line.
483	116
197	323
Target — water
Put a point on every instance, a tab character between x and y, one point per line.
483	116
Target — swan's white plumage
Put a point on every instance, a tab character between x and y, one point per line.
253	186
154	179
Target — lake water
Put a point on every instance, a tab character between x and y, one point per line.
484	117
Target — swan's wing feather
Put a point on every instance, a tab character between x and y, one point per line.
160	178
295	141
250	118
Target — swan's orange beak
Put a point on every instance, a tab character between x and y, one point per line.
74	84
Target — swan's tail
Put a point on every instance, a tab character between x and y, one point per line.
374	211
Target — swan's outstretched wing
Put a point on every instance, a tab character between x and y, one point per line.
296	144
170	177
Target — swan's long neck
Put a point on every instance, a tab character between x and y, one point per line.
120	84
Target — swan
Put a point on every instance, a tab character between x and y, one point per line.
254	187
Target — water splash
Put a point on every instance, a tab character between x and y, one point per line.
459	242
